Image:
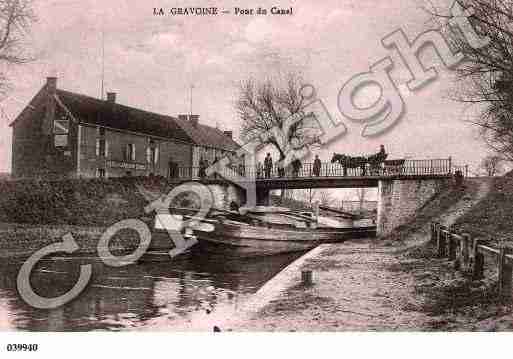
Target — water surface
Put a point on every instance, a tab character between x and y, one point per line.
177	294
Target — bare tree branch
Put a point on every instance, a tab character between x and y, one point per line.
486	77
264	105
16	18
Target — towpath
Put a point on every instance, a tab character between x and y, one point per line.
358	286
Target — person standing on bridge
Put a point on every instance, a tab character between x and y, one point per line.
317	166
296	167
202	168
382	151
260	170
268	165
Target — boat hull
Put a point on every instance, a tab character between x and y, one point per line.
249	240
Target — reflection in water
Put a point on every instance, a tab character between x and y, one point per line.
170	295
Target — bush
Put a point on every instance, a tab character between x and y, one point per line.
77	202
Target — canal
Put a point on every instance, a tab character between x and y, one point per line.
178	294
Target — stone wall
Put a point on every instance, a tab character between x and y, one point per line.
399	200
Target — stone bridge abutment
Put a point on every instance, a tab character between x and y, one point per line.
400	199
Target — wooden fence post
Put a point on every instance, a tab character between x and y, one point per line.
452	245
440	242
478	268
505	273
464	251
434	233
306	277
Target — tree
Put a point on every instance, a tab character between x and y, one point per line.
492	165
486	75
266	105
326	199
360	194
16	18
310	196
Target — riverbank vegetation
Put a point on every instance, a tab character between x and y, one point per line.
453	299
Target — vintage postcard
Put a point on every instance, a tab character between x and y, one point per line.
205	167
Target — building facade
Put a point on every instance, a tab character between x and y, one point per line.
61	134
209	143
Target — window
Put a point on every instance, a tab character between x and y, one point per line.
101	143
101	173
152	153
130	152
60	132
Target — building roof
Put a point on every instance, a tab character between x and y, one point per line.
102	113
207	136
86	109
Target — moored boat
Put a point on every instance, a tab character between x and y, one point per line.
252	231
249	239
270	230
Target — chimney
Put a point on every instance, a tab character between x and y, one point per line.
51	91
194	120
111	97
51	85
228	134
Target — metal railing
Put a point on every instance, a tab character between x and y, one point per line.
435	167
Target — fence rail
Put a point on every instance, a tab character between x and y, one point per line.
434	167
469	255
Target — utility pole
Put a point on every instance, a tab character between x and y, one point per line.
103	63
192	86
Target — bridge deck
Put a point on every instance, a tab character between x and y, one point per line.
329	175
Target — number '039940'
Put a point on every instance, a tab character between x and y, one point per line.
22	347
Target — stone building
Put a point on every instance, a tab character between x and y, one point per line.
209	143
61	134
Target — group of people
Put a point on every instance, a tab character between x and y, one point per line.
267	168
203	165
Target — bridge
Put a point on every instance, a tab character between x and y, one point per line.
404	185
329	175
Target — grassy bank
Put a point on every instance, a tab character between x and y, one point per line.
492	217
453	299
85	202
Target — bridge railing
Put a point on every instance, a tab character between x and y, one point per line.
402	167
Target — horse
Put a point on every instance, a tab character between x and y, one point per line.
394	167
376	160
350	162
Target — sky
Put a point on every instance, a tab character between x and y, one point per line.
152	62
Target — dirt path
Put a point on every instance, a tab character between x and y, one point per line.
357	286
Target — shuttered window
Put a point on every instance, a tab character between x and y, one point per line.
152	153
130	152
101	143
60	132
